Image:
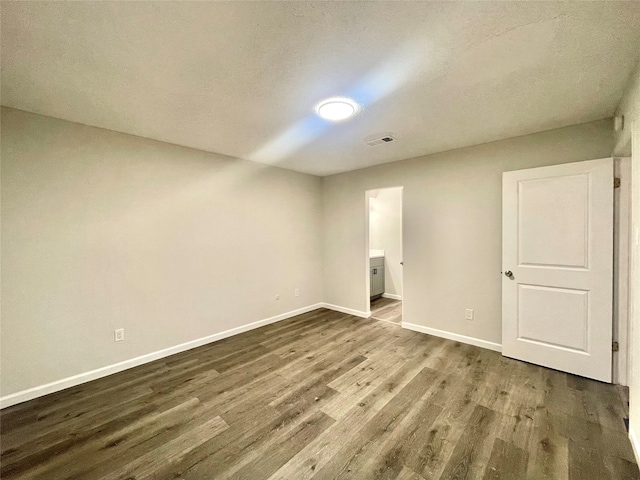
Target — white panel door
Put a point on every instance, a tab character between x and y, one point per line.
557	260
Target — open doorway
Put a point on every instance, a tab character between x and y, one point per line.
385	254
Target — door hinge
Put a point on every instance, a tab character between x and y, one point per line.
616	183
615	346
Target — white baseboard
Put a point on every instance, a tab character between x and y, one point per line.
635	444
453	336
392	296
64	383
350	311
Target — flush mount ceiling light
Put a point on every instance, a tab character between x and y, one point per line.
336	109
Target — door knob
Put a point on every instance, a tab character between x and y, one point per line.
508	273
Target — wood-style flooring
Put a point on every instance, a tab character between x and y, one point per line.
387	310
325	396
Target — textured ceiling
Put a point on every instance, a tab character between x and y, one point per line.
243	78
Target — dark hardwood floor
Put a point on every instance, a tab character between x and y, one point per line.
325	396
386	309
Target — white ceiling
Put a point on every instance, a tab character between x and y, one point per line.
243	78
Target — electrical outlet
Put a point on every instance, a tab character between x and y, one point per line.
468	314
277	296
118	335
296	292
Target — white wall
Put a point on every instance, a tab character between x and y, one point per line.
452	224
628	141
102	230
385	233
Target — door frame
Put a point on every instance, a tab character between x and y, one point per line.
367	197
621	269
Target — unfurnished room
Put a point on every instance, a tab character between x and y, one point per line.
295	240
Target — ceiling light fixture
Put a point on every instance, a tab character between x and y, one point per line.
336	109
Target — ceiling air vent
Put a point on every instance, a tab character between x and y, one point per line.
379	139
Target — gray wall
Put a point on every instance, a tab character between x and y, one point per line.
102	230
451	229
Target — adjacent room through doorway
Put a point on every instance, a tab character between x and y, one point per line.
385	254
